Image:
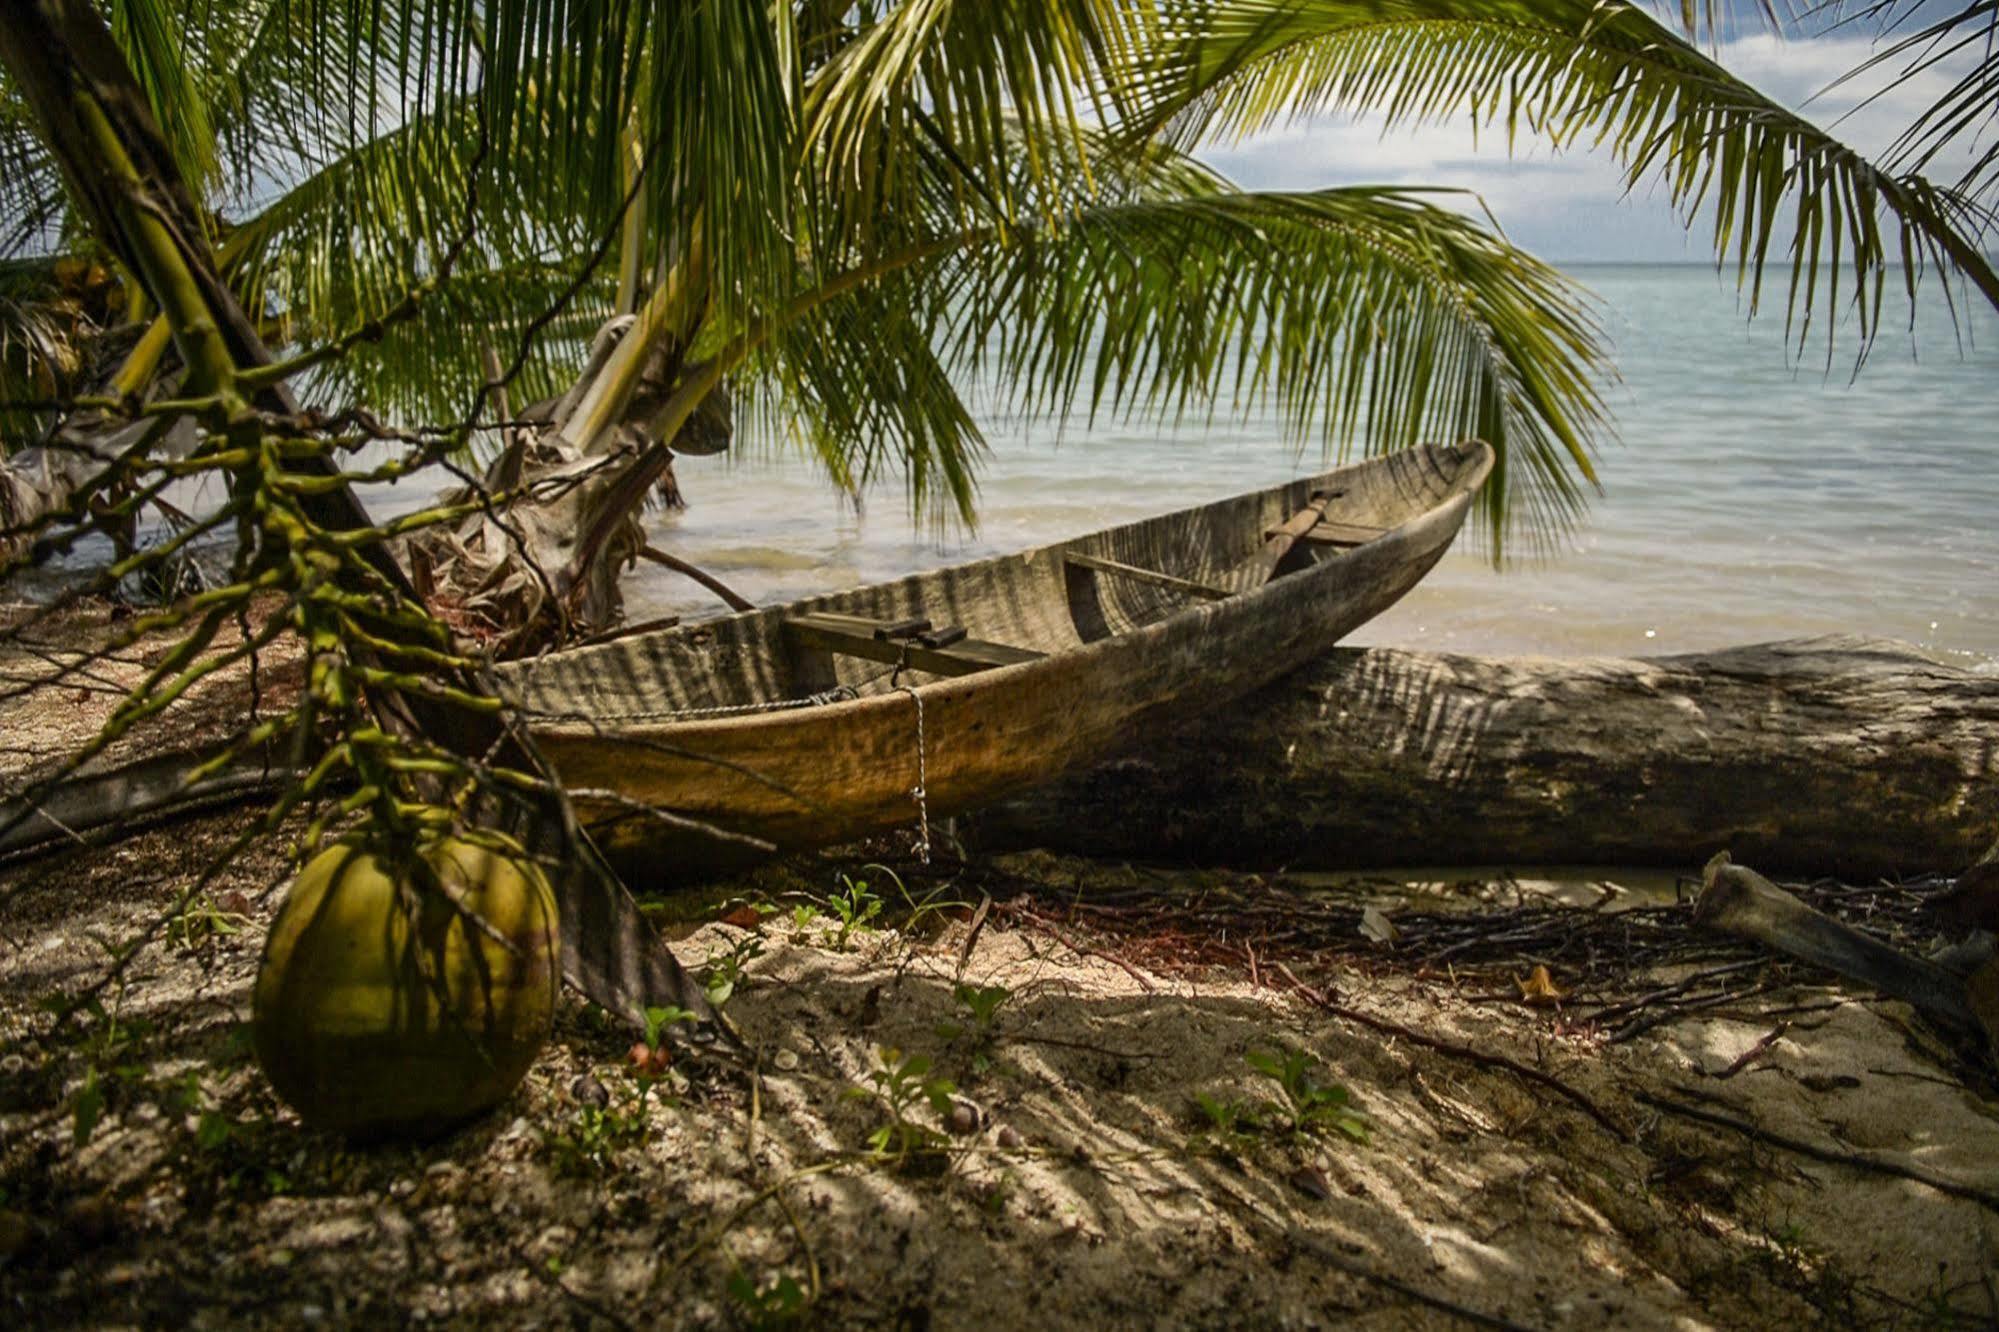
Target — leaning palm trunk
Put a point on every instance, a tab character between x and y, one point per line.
44	480
40	482
541	561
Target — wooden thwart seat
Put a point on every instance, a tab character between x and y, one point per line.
1152	576
1343	534
945	651
1326	533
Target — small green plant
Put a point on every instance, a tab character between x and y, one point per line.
659	1019
1309	1108
778	1304
1229	1126
1794	1263
856	905
650	1058
803	917
213	1130
592	1141
201	922
113	1051
901	1083
86	1109
113	1043
926	913
981	1004
726	968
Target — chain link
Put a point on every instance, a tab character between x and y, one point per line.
918	793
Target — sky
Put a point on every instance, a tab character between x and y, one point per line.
1573	208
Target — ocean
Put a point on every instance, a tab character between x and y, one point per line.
1752	493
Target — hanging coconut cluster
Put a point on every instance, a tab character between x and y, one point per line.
404	991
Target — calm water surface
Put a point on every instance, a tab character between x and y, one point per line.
1746	499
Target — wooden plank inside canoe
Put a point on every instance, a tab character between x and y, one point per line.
1152	576
1342	534
1262	566
857	636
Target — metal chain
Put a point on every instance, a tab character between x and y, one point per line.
917	792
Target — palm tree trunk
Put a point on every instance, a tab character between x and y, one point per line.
95	119
551	571
40	482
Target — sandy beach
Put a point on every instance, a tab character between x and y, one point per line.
1756	1165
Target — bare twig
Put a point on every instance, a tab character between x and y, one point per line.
1985	1198
1753	1053
1483	1058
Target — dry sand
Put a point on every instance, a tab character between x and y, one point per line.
1087	1194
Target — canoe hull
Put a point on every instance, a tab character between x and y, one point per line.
656	792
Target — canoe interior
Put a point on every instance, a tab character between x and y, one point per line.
1034	600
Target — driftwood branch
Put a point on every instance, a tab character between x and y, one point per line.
1845	756
1483	1058
1746	904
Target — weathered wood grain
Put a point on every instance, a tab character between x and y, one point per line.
1847	756
1739	901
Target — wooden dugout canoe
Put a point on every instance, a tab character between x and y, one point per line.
791	725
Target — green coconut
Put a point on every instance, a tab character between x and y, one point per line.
397	1003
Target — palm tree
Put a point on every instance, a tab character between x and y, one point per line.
828	211
883	183
802	187
320	202
865	164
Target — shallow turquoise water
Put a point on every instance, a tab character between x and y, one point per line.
1749	497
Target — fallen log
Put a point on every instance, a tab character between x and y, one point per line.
1841	755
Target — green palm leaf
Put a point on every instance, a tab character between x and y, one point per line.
152	34
941	78
1362	314
859	384
1370	316
1582	73
1965	113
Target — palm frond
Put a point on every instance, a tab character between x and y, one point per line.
952	79
346	241
1363	315
859	384
1714	21
32	202
40	352
293	84
244	95
153	35
1582	73
1963	46
427	370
